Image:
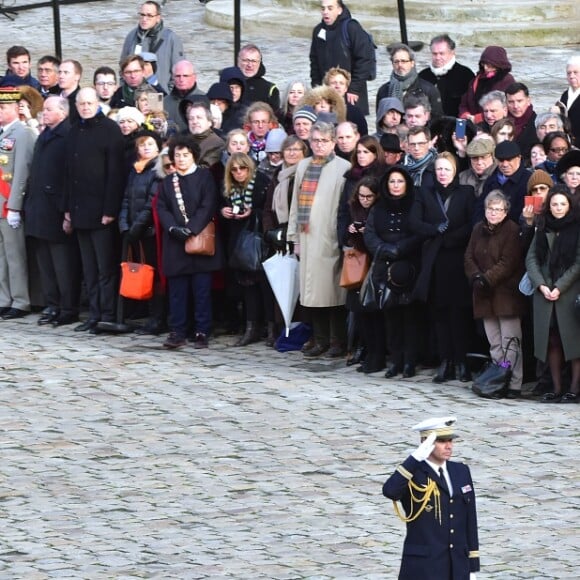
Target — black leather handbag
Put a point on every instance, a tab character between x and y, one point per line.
494	381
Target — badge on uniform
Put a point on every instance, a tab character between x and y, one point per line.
7	144
466	489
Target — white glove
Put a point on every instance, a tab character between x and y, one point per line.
472	576
13	219
424	450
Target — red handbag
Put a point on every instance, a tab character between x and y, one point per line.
136	278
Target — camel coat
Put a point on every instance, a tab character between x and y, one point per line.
320	255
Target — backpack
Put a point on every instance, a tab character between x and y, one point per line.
369	49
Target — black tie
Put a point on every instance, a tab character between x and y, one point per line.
443	480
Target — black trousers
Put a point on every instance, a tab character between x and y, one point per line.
100	257
328	324
452	324
59	271
403	323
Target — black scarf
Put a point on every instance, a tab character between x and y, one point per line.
563	253
151	36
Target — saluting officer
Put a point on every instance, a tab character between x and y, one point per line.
439	508
16	149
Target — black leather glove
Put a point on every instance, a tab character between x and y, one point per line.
134	233
442	227
276	238
479	281
180	233
389	251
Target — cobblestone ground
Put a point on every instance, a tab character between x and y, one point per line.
121	460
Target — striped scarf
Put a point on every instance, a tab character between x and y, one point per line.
308	188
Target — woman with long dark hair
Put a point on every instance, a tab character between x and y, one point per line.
553	264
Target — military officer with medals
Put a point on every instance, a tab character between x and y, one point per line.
438	501
16	149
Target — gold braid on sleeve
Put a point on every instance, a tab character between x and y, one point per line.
419	502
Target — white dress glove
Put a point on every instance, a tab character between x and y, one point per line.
424	450
13	219
472	576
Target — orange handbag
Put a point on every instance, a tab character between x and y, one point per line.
355	266
204	243
136	278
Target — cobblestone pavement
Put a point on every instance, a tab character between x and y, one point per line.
121	460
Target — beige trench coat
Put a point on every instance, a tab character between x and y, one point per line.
320	256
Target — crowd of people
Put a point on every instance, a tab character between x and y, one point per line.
458	190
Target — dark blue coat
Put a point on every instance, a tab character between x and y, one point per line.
200	198
43	202
445	549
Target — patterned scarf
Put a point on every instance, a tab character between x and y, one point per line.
400	83
308	188
242	197
416	168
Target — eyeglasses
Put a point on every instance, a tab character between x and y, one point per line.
167	165
401	61
293	149
363	196
236	168
259	122
145	15
105	83
417	144
559	149
320	141
249	61
495	209
540	188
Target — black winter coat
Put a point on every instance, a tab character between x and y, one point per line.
418	87
442	278
259	89
95	171
331	52
451	86
200	198
43	201
136	213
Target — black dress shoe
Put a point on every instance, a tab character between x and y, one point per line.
47	317
86	325
392	371
4	310
336	351
445	372
64	319
463	373
316	350
369	368
14	313
408	371
357	357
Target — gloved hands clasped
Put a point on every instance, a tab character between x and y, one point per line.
180	233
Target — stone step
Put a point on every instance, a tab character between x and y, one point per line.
512	29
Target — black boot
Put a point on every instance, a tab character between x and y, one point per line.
271	336
462	372
252	334
445	372
357	357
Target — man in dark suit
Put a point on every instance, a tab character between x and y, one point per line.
439	508
56	252
94	186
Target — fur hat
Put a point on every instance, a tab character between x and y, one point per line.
315	95
131	113
570	159
33	98
539	177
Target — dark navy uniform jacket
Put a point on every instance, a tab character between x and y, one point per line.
444	548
